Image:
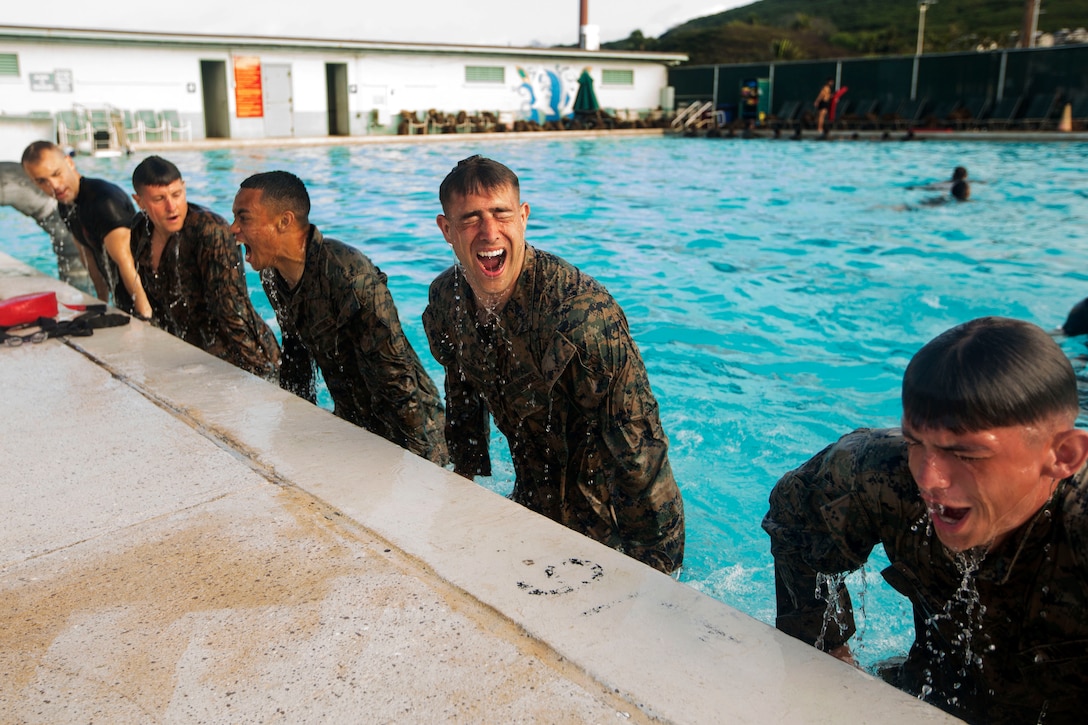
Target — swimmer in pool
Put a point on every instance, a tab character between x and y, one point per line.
336	312
98	213
545	349
978	502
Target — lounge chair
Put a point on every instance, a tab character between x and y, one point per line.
786	113
1004	113
103	131
73	128
909	113
1040	113
131	126
176	129
410	124
863	115
942	114
153	128
1079	102
971	113
842	109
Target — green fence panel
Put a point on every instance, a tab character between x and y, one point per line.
945	79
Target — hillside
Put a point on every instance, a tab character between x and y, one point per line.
798	29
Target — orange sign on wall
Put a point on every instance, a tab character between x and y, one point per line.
247	87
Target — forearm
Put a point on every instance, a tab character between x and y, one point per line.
297	369
815	609
646	501
117	247
101	288
468	428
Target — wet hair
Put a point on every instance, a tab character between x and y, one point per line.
959	173
473	175
33	153
283	191
992	372
154	171
961	191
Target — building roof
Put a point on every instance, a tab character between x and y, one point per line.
192	40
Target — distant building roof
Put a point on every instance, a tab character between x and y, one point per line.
191	40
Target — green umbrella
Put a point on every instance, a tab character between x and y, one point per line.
585	103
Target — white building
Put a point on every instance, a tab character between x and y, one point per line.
220	86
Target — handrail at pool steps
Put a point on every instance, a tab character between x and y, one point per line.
689	115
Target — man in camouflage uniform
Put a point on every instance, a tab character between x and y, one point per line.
193	275
987	459
547	351
334	308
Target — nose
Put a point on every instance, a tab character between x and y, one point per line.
929	471
489	228
235	228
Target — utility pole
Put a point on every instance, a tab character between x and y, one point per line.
923	5
1030	24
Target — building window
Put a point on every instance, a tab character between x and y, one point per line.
485	74
9	64
614	77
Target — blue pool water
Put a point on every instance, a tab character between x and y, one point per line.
776	289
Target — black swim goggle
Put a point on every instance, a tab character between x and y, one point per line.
82	325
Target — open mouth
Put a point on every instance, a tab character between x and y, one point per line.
492	261
947	515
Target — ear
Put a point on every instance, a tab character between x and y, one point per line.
525	213
286	221
444	225
136	198
1070	450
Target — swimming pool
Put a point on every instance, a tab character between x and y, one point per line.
776	289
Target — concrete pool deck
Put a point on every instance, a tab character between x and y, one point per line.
185	542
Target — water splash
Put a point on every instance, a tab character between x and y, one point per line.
836	615
965	611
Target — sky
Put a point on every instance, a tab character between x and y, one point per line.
473	22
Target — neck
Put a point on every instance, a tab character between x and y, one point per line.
291	262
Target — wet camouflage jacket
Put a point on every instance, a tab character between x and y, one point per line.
341	316
559	371
199	292
1022	653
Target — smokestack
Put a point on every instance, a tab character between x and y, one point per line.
1029	26
589	36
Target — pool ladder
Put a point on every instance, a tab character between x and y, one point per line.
692	115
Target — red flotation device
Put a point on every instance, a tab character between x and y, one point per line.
835	101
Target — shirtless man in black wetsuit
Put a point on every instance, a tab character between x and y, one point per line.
823	104
98	214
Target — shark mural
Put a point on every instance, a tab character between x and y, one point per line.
547	93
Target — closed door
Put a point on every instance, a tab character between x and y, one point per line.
279	114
